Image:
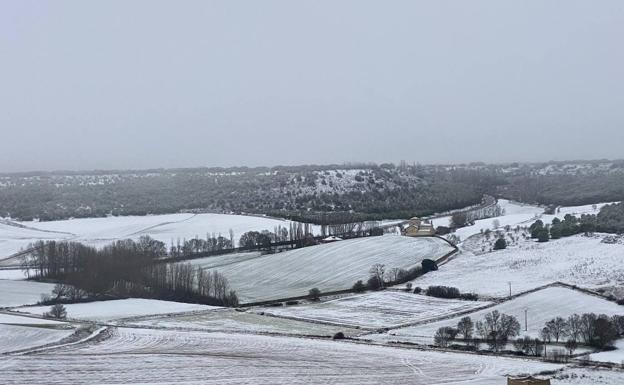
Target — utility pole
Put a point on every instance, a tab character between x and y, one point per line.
509	288
525	320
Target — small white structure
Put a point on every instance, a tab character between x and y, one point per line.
330	239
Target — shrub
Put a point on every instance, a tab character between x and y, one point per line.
56	311
417	290
443	292
338	336
442	230
469	296
459	219
500	244
373	283
542	235
408	286
314	294
429	265
444	335
359	286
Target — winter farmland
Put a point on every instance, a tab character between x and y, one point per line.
157	356
151	341
578	260
377	309
15	236
540	306
328	267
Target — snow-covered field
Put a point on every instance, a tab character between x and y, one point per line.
15	237
541	306
229	320
118	309
329	267
12	274
377	309
14	337
19	332
100	231
16	319
615	356
18	293
577	260
155	356
223	260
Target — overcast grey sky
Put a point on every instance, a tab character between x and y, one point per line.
141	84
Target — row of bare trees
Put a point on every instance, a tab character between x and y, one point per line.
497	328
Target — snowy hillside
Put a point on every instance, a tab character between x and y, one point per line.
577	260
101	231
17	293
333	266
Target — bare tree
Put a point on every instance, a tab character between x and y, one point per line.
378	270
498	327
557	327
574	327
571	345
57	311
444	335
587	326
394	274
465	327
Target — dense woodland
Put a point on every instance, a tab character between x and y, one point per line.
321	194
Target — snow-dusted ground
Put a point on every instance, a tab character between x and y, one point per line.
155	356
616	356
541	307
100	231
12	274
121	308
377	309
16	319
14	338
223	260
332	266
578	260
18	293
230	320
14	237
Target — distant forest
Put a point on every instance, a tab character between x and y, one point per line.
319	194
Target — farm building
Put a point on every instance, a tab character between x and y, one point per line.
419	228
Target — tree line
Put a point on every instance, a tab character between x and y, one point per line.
124	269
610	219
497	330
